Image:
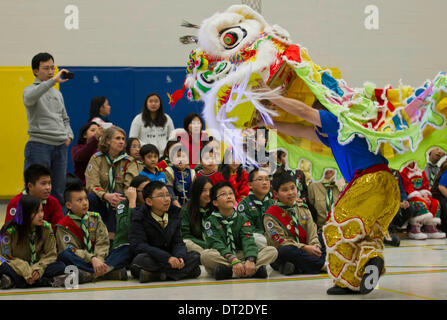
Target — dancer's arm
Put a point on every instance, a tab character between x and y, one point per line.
298	108
292	106
297	130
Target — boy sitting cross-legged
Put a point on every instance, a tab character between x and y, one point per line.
289	227
233	250
156	239
257	202
83	241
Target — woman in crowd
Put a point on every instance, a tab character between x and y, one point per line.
108	175
85	147
100	111
191	136
152	125
195	213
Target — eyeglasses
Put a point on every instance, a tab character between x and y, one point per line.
226	195
266	179
166	195
48	68
135	147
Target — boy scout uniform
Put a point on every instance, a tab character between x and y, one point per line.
194	239
281	229
322	196
97	174
18	255
254	209
123	218
69	235
244	243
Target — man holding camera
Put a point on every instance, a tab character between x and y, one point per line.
49	128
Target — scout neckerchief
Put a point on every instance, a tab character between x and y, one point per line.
228	222
83	220
258	202
32	245
291	211
204	214
111	163
328	184
432	172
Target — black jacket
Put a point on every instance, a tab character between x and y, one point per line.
147	236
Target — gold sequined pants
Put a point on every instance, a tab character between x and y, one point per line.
355	229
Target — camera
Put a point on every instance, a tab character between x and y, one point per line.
67	75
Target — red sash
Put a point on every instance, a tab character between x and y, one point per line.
69	224
286	221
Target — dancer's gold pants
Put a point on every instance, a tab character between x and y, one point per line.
355	229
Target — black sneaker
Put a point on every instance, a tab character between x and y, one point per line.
85	277
335	290
6	282
287	268
147	276
195	273
222	272
117	274
59	281
371	278
261	273
392	240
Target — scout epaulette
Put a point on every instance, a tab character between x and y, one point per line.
99	153
94	214
286	222
11	230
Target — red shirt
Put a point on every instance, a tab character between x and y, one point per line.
215	176
81	154
52	210
240	187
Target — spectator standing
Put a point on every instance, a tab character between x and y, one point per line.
49	129
152	125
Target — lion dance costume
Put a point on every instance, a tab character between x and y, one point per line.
238	47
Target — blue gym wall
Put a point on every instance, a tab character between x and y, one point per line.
126	89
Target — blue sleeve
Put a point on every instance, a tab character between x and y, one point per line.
403	194
322	138
329	123
443	181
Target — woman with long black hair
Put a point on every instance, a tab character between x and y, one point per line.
195	213
152	125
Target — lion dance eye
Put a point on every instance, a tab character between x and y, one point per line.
231	37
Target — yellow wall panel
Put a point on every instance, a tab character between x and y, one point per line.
13	128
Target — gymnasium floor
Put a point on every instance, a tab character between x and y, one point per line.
417	270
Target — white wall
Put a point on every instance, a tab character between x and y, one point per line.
410	43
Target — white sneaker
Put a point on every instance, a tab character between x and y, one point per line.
433	233
417	236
